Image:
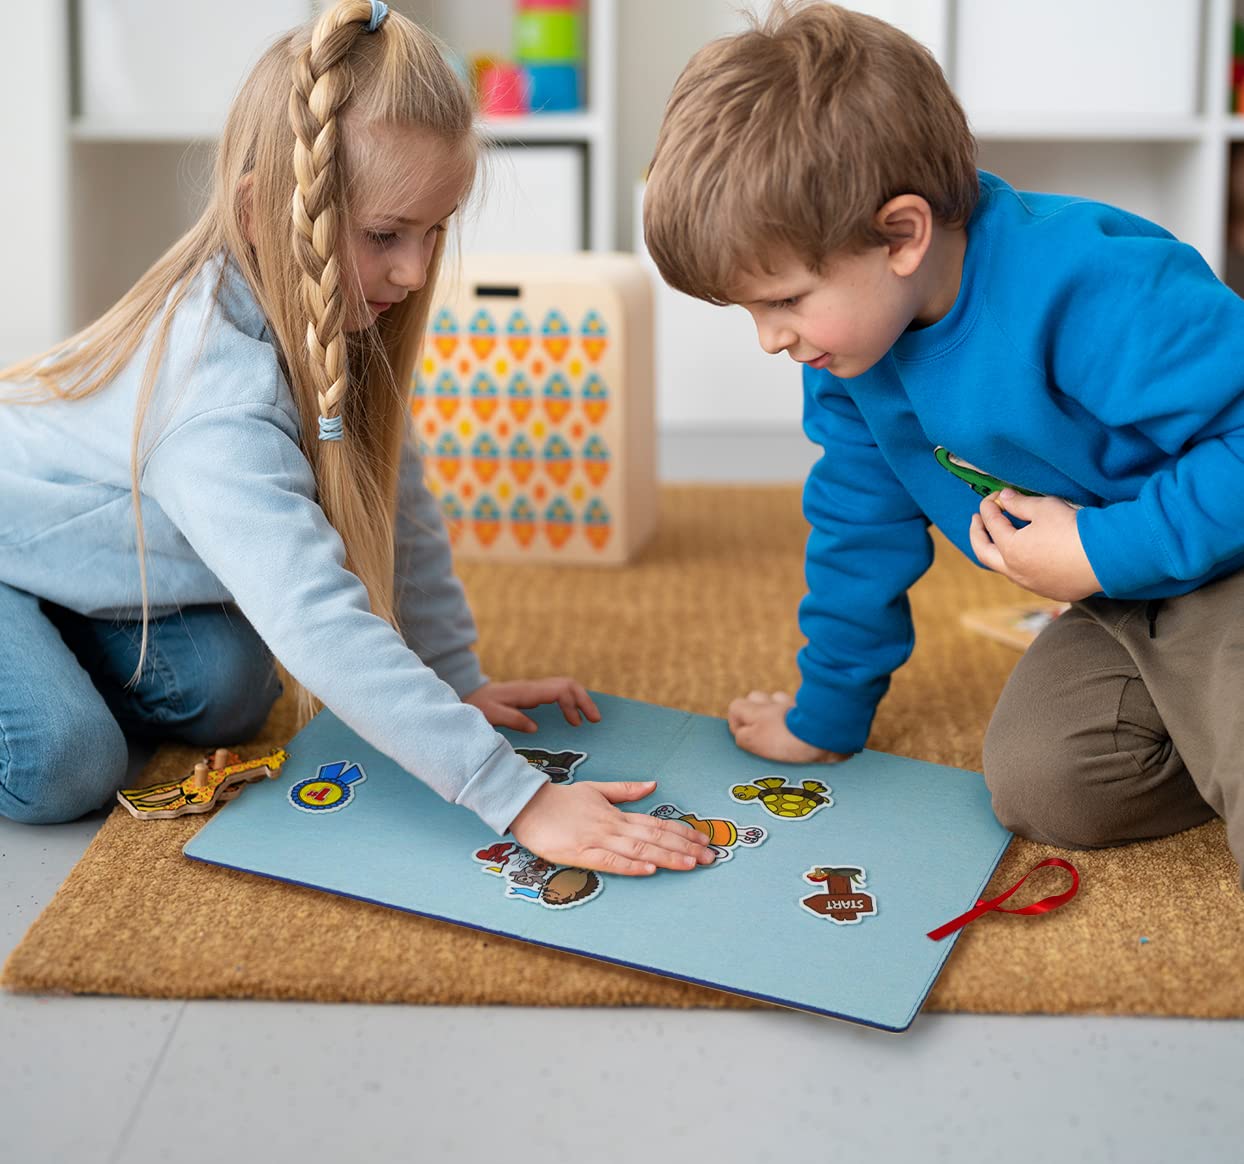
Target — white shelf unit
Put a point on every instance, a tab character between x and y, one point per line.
1170	166
1122	100
119	152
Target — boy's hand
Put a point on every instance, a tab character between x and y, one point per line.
1046	556
578	825
758	724
502	702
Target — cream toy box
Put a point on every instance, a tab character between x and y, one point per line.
533	406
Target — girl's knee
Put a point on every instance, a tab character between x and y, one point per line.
233	703
73	766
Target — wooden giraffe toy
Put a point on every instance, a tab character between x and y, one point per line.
216	778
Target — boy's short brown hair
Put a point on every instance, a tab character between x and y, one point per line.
789	137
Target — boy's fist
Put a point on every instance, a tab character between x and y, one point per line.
758	724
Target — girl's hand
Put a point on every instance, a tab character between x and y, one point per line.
502	702
578	825
1046	556
758	724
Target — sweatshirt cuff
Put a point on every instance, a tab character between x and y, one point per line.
501	788
1123	549
830	720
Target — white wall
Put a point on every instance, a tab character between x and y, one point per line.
33	114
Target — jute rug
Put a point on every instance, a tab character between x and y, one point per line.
706	613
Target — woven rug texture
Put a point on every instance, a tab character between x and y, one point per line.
707	612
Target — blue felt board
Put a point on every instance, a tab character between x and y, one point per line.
923	833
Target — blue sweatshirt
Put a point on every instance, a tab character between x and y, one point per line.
1089	355
229	514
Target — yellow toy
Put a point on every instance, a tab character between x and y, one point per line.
217	778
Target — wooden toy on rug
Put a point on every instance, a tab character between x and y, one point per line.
215	779
1015	625
533	407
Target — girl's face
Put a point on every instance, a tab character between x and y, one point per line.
410	184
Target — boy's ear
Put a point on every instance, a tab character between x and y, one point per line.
907	222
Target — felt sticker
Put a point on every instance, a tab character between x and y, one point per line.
842	901
784	800
329	790
558	766
531	878
722	834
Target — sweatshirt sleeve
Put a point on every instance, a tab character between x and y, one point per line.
868	543
234	481
1148	341
431	603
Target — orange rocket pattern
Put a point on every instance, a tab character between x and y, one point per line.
512	413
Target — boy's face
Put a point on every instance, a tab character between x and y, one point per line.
842	319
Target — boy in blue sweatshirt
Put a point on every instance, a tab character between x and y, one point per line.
818	171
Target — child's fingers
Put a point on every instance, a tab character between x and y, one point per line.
986	552
586	703
621	791
608	861
511	717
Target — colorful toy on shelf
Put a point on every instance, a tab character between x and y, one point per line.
503	89
215	779
553	458
548	44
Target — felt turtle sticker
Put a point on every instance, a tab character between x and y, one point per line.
783	800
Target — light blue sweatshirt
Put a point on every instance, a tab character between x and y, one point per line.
1088	355
229	514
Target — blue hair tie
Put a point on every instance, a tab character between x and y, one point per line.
330	428
379	10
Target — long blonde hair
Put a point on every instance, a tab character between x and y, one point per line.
278	206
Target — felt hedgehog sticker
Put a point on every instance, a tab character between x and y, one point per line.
531	878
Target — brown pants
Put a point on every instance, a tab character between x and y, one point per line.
1107	733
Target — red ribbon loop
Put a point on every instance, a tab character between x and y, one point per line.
1043	906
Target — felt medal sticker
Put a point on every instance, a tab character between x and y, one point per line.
558	766
842	900
531	878
329	790
784	800
722	834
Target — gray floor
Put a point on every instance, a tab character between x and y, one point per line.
123	1081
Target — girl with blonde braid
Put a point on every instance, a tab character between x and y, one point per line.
218	471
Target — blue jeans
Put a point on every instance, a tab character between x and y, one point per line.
66	706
